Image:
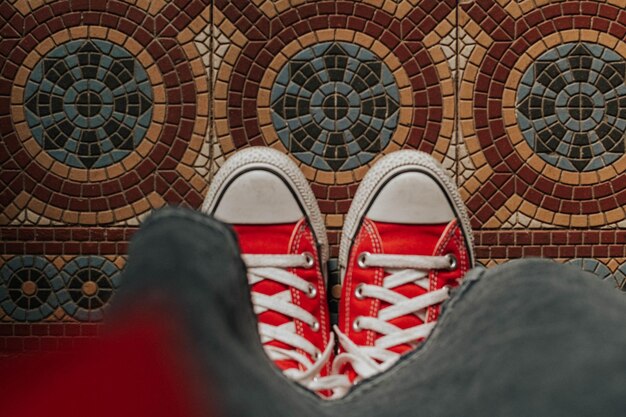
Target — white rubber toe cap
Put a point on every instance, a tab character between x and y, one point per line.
411	198
258	197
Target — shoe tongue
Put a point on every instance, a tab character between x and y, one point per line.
409	239
265	239
274	239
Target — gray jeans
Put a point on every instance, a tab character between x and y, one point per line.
528	338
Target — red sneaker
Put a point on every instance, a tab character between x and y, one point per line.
406	241
268	201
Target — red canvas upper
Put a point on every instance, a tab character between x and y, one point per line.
398	239
290	238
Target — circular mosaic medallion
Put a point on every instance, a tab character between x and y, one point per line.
571	106
87	284
88	103
25	288
335	105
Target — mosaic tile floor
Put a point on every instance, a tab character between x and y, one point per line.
111	109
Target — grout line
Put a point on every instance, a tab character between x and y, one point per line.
211	86
455	77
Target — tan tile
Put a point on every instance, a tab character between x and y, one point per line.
32	147
269	9
325	177
200	128
484	40
35	205
79	32
620	164
388	6
263	98
442	146
203	104
9	213
360	172
221	90
184	170
269	134
115	170
514	203
533	160
58	168
117	37
155	200
153	133
220	110
399	136
16	94
514	10
344	35
308	172
344	177
132	160
615	215
54	213
4	220
104	217
604	174
503	214
579	220
393	146
363	40
97	32
20	80
199	184
96	175
231	56
552	41
570	178
597	219
493	223
403	9
562	219
221	127
31	60
528	209
447	87
382	51
546	217
141	206
123	213
483	174
551	172
133	46
143	150
621	49
308	40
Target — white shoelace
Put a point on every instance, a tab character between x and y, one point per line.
402	269
273	267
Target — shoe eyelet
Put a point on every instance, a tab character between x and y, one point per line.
315	326
309	259
362	259
358	292
318	355
356	324
311	291
452	261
